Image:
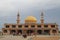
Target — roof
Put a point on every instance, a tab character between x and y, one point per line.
31	18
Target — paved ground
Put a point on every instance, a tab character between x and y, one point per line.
11	37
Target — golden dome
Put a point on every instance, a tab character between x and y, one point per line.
30	19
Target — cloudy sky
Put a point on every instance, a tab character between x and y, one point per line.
10	8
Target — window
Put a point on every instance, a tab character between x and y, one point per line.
26	25
19	26
53	26
45	25
32	25
13	26
7	26
39	25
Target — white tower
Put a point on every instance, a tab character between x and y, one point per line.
18	18
42	18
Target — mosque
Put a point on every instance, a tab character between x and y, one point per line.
31	27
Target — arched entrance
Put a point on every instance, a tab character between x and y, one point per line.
19	31
54	32
13	32
39	32
30	32
46	32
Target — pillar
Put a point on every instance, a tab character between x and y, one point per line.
8	32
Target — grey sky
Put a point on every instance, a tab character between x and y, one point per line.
9	9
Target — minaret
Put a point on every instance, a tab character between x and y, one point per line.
42	18
18	18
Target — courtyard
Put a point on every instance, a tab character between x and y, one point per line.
34	37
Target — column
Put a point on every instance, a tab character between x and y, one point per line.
16	31
51	32
43	31
35	31
42	28
8	32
